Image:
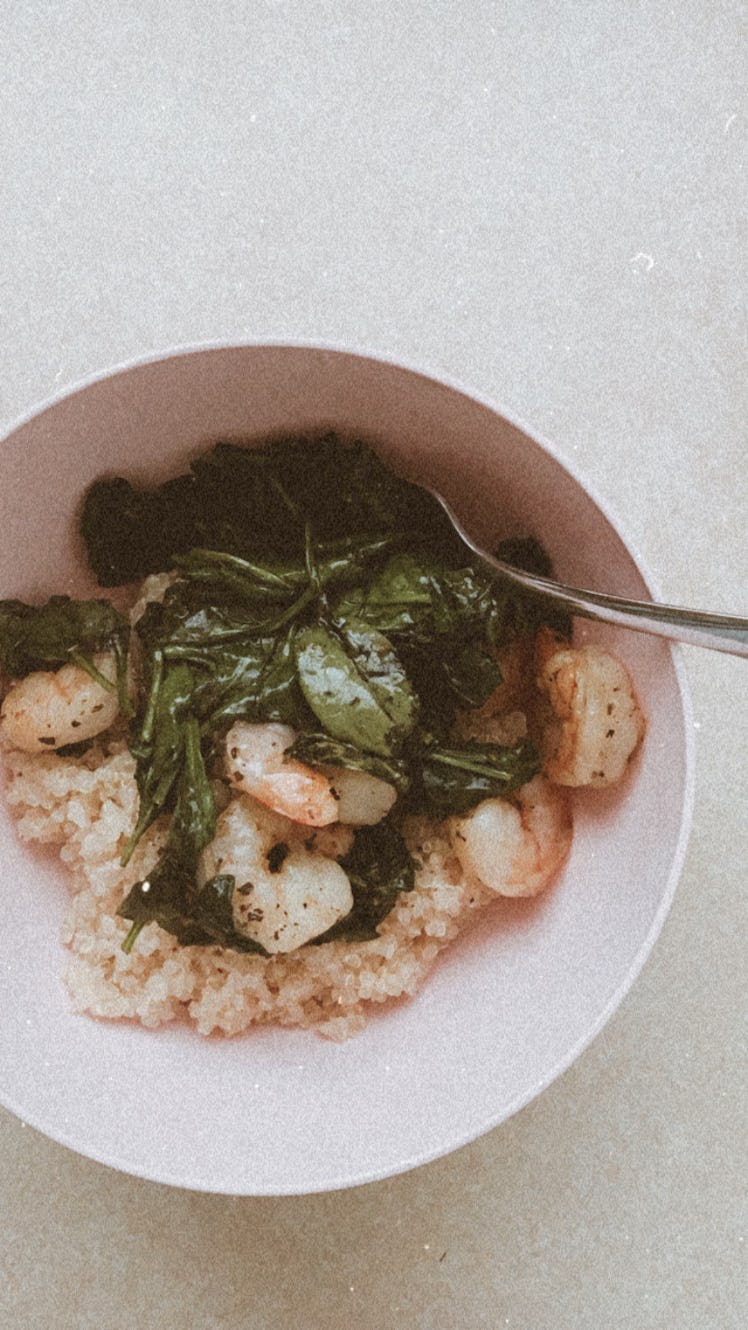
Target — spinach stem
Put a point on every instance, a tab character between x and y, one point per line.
311	566
129	941
150	711
147	814
293	610
225	564
464	763
91	670
125	705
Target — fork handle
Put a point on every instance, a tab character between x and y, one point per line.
719	632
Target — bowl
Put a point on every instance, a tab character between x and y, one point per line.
517	998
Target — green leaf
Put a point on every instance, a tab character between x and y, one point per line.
452	780
129	533
45	636
194	821
169	896
256	682
524	612
241	578
356	687
321	750
254	502
196	917
159	748
399	599
191	619
379	868
163	897
213	913
471	671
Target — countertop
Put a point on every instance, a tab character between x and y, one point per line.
545	202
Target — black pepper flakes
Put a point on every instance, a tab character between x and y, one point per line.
277	855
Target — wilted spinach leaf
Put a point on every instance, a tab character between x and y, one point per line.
45	636
160	744
451	780
379	868
169	895
130	532
471	672
321	750
356	686
254	502
524	612
419	597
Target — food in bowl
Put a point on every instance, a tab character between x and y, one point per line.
310	744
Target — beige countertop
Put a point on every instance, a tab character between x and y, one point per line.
545	202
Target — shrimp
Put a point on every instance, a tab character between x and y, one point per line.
362	799
257	765
285	894
595	722
515	845
50	708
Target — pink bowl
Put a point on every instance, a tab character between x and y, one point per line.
516	1000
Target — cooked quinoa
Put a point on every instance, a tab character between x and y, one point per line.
88	806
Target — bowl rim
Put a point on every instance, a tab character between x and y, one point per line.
443	379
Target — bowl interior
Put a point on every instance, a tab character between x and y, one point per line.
515	1000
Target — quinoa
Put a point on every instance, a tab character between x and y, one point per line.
88	805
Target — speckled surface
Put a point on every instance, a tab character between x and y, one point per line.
545	202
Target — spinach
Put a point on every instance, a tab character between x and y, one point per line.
240	668
170	896
46	636
452	780
174	759
256	682
419	597
196	916
281	582
471	672
321	750
356	686
448	677
443	620
526	613
129	533
254	502
344	485
379	868
163	746
186	623
213	913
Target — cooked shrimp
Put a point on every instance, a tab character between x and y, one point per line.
257	765
595	724
516	845
285	894
362	799
50	708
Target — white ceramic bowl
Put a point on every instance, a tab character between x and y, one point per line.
511	1004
